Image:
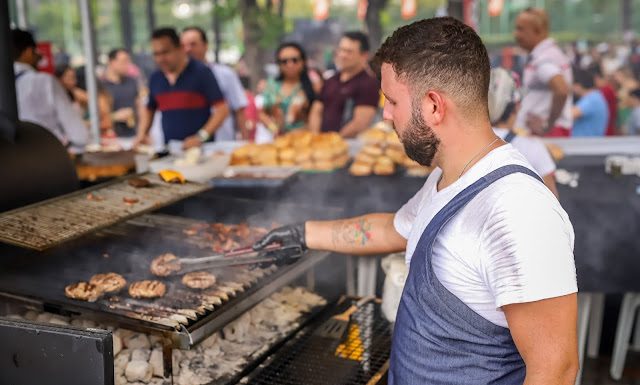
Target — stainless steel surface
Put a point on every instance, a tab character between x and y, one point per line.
48	223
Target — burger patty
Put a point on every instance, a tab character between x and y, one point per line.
147	289
139	182
165	264
83	291
199	280
109	282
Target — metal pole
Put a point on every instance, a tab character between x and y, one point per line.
8	104
151	16
88	40
125	21
21	11
216	31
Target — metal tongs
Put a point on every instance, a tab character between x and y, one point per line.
273	253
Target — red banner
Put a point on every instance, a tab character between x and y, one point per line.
46	63
362	9
321	9
409	9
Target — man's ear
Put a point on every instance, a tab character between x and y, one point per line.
433	108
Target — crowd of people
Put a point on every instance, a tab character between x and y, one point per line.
550	92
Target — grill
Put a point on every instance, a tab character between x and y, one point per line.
184	316
49	223
309	359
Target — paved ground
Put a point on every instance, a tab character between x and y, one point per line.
596	371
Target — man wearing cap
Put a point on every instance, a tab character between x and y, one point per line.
491	293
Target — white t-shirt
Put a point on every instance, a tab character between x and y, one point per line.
513	243
533	150
545	61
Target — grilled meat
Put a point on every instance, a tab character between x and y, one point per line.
109	282
224	237
139	182
165	264
147	289
83	291
199	280
130	200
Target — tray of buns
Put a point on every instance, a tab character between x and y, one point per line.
301	148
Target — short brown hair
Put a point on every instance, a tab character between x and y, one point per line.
441	54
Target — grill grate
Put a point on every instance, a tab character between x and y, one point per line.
314	360
54	221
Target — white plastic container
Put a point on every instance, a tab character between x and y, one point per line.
396	272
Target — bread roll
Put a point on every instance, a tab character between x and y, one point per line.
282	142
322	153
360	169
287	155
365	158
397	155
384	169
324	165
372	150
341	161
303	155
287	163
307	165
384	161
373	136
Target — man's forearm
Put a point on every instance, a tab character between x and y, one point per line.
220	113
146	118
368	234
315	117
557	105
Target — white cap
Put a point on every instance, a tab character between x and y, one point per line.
503	90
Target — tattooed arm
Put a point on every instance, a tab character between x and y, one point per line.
368	234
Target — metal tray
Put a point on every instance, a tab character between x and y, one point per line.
255	177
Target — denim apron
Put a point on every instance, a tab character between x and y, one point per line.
437	338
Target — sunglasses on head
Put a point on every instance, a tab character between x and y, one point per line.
286	60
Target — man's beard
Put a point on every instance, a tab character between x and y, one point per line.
420	143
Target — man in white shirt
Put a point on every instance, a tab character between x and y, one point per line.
491	290
547	78
41	98
504	100
194	41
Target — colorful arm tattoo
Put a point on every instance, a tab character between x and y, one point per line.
352	233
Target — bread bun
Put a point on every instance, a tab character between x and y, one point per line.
287	163
322	153
301	139
365	158
384	161
372	150
397	155
303	155
373	136
392	139
287	154
341	161
360	169
307	165
419	171
282	142
384	169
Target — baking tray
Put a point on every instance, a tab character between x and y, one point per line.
256	177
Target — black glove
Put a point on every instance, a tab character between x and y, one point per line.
290	236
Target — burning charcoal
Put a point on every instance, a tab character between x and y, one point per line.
156	362
138	371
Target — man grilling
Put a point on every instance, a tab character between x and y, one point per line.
491	293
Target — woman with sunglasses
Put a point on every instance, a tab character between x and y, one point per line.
287	97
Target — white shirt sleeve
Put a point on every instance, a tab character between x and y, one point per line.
547	70
528	249
70	121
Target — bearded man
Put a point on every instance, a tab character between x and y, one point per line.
490	296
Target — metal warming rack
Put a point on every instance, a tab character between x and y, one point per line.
54	221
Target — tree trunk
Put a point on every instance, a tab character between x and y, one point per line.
251	27
374	27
